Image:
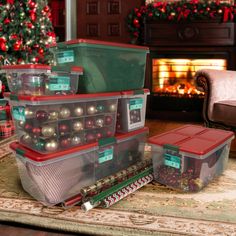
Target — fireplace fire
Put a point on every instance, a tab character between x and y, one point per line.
174	77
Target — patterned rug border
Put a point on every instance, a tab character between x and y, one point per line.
108	222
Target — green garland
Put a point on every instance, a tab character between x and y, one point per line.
178	11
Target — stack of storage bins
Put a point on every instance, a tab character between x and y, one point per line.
79	122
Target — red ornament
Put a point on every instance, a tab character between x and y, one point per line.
29	25
3	46
108	120
42	115
33	16
36	131
41	51
90	138
32	4
63	128
136	22
28	127
10	1
14	36
46	8
65	142
17	46
139	14
6	21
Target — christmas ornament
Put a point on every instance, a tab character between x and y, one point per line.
29	113
78	111
90	138
41	115
91	110
39	145
99	135
112	107
63	128
28	127
99	122
108	120
53	115
51	145
26	139
21	123
76	140
78	126
89	123
36	131
48	131
100	108
65	142
64	112
109	133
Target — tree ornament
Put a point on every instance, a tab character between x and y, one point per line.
48	131
108	120
17	46
90	137
100	108
41	51
99	122
26	139
41	115
112	107
36	131
136	22
64	128
76	139
6	21
53	115
51	145
32	4
89	123
78	126
65	142
64	112
33	16
28	127
78	111
91	110
46	9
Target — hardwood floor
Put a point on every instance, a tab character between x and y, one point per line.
155	127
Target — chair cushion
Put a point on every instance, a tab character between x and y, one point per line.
225	112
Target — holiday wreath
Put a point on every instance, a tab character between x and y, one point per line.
178	11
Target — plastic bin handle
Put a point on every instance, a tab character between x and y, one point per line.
107	141
171	147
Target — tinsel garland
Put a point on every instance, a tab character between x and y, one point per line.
178	11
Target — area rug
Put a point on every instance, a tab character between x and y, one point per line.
152	210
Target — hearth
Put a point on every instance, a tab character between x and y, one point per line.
176	53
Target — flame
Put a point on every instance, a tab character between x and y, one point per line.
175	76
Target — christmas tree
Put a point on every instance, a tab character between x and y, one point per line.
26	32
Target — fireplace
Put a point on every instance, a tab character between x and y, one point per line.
176	53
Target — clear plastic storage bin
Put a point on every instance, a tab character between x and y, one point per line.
51	123
37	79
188	158
55	177
107	66
131	110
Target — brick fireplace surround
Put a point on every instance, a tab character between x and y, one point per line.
195	40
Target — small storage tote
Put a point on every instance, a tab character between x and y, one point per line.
107	66
131	110
51	123
53	178
37	79
189	157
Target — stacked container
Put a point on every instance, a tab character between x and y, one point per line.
65	117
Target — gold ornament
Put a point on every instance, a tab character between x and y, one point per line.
53	115
112	108
51	145
91	110
77	126
99	122
64	112
78	111
48	131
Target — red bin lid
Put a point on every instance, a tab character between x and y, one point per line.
193	139
26	67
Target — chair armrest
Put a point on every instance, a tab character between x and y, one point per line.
218	85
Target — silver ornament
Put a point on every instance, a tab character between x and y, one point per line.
91	110
26	139
51	145
77	126
99	122
21	123
76	140
64	112
78	111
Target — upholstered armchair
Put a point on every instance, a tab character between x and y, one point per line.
219	109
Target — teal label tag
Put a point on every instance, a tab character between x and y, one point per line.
136	103
105	155
65	56
59	83
172	161
18	113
